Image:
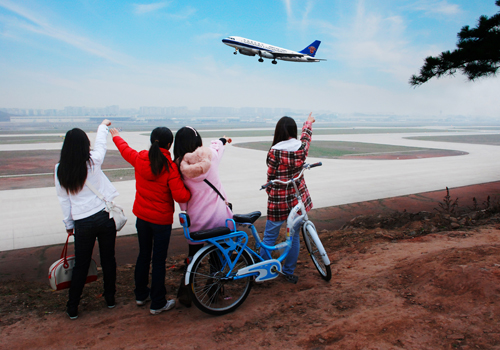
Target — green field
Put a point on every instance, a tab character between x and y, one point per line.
493	140
9	140
34	138
335	149
318	131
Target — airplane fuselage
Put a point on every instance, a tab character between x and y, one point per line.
250	47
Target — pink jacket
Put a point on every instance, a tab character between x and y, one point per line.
206	209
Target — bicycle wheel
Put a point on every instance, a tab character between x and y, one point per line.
210	290
312	247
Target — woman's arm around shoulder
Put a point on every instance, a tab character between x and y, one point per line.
127	152
180	193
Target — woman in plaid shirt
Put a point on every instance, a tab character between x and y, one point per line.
285	160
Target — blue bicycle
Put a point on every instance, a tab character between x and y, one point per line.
220	274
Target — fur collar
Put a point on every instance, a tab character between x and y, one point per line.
196	163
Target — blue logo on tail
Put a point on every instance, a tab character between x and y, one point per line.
311	49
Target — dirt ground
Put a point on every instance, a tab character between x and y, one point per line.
400	281
405	281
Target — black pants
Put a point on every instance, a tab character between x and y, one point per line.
98	226
153	247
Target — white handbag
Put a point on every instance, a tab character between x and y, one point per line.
61	272
115	211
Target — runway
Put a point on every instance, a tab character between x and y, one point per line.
32	217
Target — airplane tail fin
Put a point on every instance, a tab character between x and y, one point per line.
311	49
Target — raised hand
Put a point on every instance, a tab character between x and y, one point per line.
311	119
114	132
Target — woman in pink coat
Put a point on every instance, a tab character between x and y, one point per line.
199	168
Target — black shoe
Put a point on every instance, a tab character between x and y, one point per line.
183	294
185	300
110	301
292	278
72	313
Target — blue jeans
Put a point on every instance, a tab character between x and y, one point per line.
103	228
153	239
271	235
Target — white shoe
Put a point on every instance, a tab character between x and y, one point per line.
169	305
142	302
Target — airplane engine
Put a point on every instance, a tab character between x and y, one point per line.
265	54
247	52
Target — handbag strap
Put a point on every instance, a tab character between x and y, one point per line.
96	192
215	189
64	252
109	205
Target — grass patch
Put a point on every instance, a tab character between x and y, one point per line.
317	131
336	149
493	140
44	161
10	140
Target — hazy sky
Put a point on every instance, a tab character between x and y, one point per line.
93	53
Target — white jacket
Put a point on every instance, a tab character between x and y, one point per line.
85	203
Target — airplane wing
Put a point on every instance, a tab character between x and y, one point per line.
279	54
291	55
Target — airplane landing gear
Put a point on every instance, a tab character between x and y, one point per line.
261	60
274	62
235	51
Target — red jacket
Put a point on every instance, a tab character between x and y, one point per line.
155	195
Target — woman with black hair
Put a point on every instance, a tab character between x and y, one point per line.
158	184
284	161
199	168
84	213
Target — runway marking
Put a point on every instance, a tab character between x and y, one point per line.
45	174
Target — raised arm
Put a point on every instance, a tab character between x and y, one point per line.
306	135
127	152
218	148
99	151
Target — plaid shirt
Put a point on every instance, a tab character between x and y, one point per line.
283	165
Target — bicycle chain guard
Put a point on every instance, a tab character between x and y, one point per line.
267	270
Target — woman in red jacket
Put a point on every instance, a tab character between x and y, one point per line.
158	184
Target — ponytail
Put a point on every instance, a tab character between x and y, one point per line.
161	137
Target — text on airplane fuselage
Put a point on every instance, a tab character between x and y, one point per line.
261	45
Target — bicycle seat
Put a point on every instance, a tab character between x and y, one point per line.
206	234
247	218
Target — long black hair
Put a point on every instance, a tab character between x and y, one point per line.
161	137
74	162
187	140
286	128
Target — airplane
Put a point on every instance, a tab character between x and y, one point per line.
249	47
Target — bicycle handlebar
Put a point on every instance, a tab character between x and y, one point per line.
304	168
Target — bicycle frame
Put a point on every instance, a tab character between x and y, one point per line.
237	241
